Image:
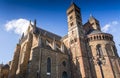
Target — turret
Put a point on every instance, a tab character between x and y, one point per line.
94	23
79	61
34	27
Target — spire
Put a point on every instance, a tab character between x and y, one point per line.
30	22
35	22
94	22
22	35
34	27
90	15
92	18
39	40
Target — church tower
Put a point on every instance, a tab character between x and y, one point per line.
102	52
77	47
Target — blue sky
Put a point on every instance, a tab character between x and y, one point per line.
51	15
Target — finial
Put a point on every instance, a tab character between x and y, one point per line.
30	22
35	22
90	15
34	27
22	35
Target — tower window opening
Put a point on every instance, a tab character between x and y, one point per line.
71	24
72	41
77	10
71	17
75	39
72	32
79	23
78	16
70	11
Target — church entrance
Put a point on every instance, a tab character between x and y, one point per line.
64	75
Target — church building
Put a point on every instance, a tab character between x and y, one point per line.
85	52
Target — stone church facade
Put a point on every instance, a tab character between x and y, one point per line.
85	52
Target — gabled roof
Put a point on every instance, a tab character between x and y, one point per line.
49	34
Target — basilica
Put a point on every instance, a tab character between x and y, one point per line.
84	52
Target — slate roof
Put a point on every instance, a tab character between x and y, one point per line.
49	34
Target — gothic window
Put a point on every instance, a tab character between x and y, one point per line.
64	75
29	64
99	50
48	66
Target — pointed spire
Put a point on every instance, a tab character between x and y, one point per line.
39	40
22	35
90	15
30	22
35	22
34	27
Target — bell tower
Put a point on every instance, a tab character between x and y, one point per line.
77	46
74	18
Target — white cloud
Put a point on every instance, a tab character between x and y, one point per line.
113	28
110	25
19	26
115	22
106	28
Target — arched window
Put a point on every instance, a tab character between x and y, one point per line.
64	75
99	50
48	66
64	63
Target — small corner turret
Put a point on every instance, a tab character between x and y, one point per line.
94	23
34	27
